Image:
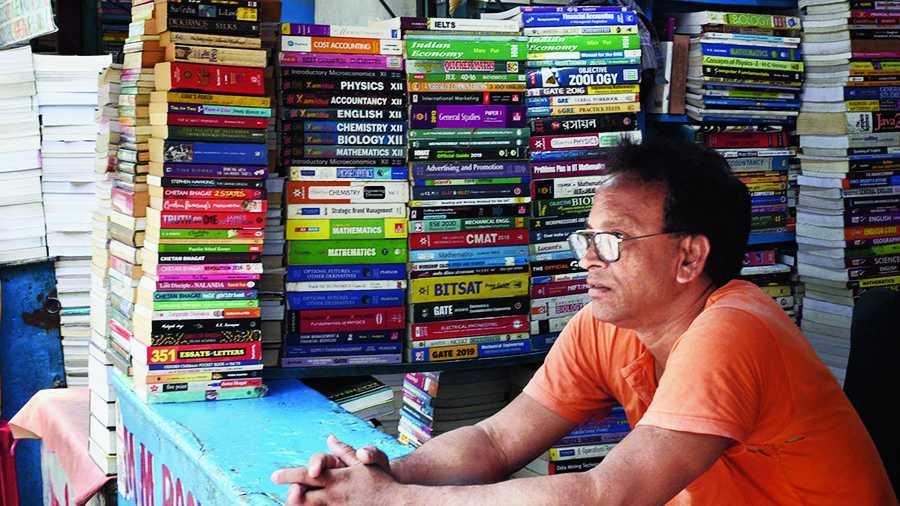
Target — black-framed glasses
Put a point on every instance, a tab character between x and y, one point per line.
605	244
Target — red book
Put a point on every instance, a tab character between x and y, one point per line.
468	239
170	219
560	288
468	328
214	193
198	353
221	79
746	140
216	121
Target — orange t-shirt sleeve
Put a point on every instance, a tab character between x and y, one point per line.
569	383
716	377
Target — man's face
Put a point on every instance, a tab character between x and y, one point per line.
626	293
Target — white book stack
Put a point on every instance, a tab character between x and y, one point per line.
102	406
67	98
22	234
848	212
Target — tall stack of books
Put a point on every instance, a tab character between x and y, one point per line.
197	317
762	157
438	402
22	234
344	144
742	68
470	190
114	16
271	289
127	220
744	75
101	443
67	89
848	215
583	99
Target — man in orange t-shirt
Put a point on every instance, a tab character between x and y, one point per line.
728	401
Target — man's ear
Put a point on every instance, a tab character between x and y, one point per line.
694	250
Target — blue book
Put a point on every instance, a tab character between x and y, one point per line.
550	19
583	76
756	52
346	299
568	154
211	152
358	272
431	255
472	263
871	92
749	102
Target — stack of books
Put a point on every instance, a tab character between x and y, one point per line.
470	190
742	68
271	286
363	396
848	215
583	99
101	444
22	234
67	96
434	403
127	220
197	317
762	157
114	17
584	447
343	132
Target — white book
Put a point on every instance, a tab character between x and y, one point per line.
19	254
67	98
661	92
67	115
20	160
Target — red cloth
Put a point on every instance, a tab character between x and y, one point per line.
60	418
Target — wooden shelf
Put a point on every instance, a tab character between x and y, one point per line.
361	370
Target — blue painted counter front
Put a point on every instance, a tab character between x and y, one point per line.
224	452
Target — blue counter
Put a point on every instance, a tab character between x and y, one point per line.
223	452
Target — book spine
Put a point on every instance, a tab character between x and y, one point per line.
554	19
218	110
170	219
754	52
376	251
216	55
213	39
581	43
471	66
313	350
212	26
470	351
368	62
322	229
464	50
342	45
578	125
214	193
342	100
752	63
468	170
338	31
583	141
296	273
583	76
581	30
216	206
202	120
345	320
349	85
583	110
199	133
214	153
483	238
216	78
466	116
344	299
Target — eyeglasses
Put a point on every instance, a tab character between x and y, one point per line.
605	244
